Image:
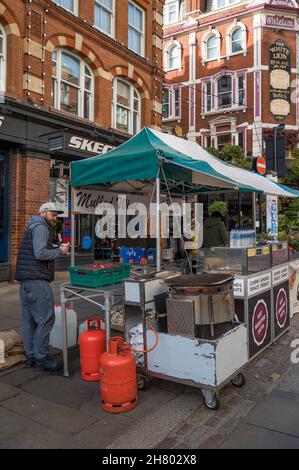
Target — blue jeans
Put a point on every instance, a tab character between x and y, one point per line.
38	315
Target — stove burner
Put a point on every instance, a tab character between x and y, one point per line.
200	280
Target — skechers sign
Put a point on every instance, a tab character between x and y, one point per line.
90	146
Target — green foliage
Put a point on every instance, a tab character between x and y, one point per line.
232	154
213	151
218	206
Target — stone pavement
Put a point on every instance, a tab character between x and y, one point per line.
43	410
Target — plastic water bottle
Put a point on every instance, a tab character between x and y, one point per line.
232	239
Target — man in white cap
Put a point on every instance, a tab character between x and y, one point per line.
35	271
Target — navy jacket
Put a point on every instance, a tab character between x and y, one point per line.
36	256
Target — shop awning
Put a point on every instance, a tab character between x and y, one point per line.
141	157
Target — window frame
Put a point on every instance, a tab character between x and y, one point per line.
225	93
173	99
3	60
216	47
57	81
75	12
204	45
142	52
133	89
112	23
227	3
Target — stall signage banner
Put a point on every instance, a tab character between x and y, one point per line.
62	196
280	274
280	79
87	201
239	287
281	310
260	322
258	284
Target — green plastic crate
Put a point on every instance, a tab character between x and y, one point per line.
88	277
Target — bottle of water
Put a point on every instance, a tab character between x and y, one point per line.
232	242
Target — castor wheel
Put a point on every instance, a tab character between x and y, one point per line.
143	382
238	380
210	399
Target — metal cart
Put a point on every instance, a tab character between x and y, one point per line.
181	357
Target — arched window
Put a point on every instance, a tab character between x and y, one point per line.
126	107
174	58
237	41
2	59
210	45
72	84
212	48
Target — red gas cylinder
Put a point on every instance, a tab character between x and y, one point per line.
118	377
92	346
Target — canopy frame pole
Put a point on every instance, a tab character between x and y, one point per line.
73	228
158	225
254	210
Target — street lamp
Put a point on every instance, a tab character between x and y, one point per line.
280	127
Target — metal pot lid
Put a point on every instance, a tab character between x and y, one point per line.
198	280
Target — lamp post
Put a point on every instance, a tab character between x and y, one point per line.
280	127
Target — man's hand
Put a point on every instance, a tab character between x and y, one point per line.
64	249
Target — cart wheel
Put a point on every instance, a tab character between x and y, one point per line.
239	380
143	382
210	399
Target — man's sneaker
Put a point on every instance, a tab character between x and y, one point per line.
30	362
48	364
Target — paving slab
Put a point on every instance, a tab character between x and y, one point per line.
58	418
19	376
18	432
104	432
7	391
277	414
72	392
152	429
247	436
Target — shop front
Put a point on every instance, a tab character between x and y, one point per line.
36	149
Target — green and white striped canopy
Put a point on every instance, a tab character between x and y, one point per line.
141	158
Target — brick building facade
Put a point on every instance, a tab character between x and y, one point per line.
232	69
77	77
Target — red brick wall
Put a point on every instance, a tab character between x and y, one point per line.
29	188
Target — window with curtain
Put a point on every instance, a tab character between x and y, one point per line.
72	84
103	15
237	41
136	29
126	107
225	92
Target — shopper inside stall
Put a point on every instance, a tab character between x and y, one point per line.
214	230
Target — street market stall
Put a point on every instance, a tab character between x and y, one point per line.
154	163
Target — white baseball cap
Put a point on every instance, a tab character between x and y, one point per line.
50	207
